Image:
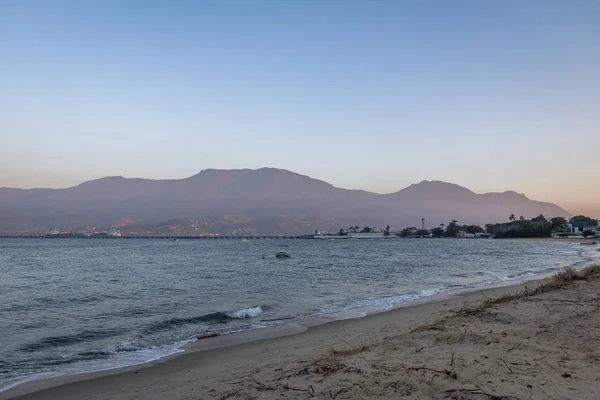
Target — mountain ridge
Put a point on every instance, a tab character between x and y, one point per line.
266	200
121	178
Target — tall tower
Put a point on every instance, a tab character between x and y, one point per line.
422	224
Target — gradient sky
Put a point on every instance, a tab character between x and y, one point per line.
491	95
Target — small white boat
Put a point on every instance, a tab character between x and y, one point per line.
282	252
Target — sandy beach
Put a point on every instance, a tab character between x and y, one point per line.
534	340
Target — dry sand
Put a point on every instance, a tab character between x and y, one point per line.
538	346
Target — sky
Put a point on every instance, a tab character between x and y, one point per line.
377	95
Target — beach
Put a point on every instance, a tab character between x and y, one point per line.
522	345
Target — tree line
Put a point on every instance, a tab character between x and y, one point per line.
521	227
366	229
451	230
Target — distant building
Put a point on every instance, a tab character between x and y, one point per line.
463	234
114	233
580	226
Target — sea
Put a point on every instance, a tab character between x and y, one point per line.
69	306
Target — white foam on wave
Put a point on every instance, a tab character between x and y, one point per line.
31	378
243	329
122	359
502	279
126	359
391	301
117	360
250	312
361	308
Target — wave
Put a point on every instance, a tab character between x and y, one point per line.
361	308
77	357
122	355
16	373
67	340
217	317
26	379
245	313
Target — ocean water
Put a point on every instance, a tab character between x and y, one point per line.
81	305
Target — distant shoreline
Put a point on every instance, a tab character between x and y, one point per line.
278	237
156	237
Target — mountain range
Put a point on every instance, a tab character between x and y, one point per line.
262	201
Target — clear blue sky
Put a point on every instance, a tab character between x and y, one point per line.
492	95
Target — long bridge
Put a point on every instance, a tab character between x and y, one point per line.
55	237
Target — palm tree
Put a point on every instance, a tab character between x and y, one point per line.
511	217
521	218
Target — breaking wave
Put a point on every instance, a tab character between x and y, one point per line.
217	317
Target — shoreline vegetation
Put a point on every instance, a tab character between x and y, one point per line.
516	228
577	227
533	340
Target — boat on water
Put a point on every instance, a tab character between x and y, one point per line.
282	251
588	243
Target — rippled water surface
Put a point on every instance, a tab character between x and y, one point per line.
77	305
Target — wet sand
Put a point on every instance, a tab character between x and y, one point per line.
542	346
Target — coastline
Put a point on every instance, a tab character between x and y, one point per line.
207	365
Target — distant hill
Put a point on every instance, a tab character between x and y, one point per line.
265	201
